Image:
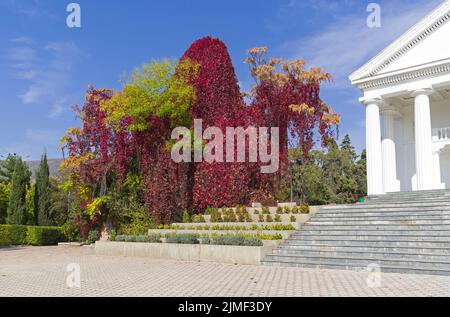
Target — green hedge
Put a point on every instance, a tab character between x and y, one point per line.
182	238
151	238
29	235
238	240
12	235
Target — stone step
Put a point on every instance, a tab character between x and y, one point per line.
376	227
361	248
375	237
347	218
398	221
369	233
339	266
384	213
388	207
363	261
367	243
413	255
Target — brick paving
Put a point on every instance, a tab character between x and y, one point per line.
41	271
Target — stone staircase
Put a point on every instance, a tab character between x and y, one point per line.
401	232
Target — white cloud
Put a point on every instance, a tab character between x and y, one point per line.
47	71
41	136
347	43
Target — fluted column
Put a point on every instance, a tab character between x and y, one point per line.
373	145
423	141
390	182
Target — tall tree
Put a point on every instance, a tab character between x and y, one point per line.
7	168
17	205
42	192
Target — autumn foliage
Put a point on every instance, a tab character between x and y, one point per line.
128	132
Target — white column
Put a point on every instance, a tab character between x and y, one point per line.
390	182
373	144
423	141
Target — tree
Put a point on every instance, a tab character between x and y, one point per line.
7	168
17	205
4	198
42	195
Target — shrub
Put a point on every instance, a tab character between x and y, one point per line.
70	231
151	238
277	218
279	211
216	216
269	218
304	209
198	219
265	210
229	216
293	218
209	211
287	210
186	217
261	218
44	235
238	240
205	239
182	238
256	212
295	210
12	235
113	235
94	235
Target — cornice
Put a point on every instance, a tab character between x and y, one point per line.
406	76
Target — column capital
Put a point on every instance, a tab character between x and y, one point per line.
422	91
390	110
370	101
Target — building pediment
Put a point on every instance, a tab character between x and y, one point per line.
424	47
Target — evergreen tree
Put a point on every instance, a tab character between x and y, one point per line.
7	168
17	205
42	193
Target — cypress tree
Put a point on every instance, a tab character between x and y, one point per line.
17	205
42	205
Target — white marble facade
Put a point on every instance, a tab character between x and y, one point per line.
406	92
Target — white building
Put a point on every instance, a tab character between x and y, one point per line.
407	98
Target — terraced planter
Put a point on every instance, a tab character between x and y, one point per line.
186	252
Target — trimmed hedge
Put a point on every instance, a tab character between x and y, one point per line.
236	240
151	238
29	235
182	238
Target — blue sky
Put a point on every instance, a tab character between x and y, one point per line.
45	66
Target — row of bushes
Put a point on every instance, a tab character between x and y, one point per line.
275	227
192	238
29	235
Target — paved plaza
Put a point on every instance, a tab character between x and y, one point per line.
42	271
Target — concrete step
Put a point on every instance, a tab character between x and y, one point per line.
361	248
413	255
389	213
376	232
363	260
361	219
373	237
319	226
349	242
398	221
339	266
388	207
